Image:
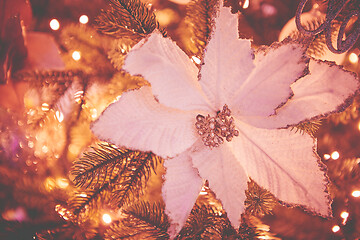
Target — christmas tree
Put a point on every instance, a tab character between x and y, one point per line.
199	119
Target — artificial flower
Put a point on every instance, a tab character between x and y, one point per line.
230	121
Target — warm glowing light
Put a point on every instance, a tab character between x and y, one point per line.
356	193
353	58
335	155
45	107
49	184
327	156
76	55
62	182
31	144
335	228
84	195
83	19
78	96
196	59
44	149
59	116
344	214
106	218
93	113
54	24
246	4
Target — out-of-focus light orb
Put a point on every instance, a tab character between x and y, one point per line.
356	193
106	218
344	214
335	155
62	182
83	19
76	55
353	58
246	4
335	228
327	156
54	24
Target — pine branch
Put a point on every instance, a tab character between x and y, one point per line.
200	15
141	221
205	223
134	177
96	168
83	203
127	18
112	175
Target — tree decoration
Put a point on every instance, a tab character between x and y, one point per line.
333	10
268	91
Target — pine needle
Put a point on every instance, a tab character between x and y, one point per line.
205	223
200	18
259	201
310	127
134	177
97	167
127	18
141	221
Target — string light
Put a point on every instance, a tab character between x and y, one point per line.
83	19
45	107
59	116
76	55
327	156
356	193
246	4
195	59
345	216
335	155
335	228
54	24
106	218
353	58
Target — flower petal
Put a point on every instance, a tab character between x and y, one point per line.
172	75
228	60
226	178
326	89
180	190
284	162
268	86
137	121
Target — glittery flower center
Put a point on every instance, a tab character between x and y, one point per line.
213	130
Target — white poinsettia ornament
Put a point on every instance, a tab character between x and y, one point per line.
229	121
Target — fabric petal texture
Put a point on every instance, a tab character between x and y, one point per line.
139	122
180	190
285	163
268	86
172	75
226	176
225	69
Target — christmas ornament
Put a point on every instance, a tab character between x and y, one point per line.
311	18
333	9
232	123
